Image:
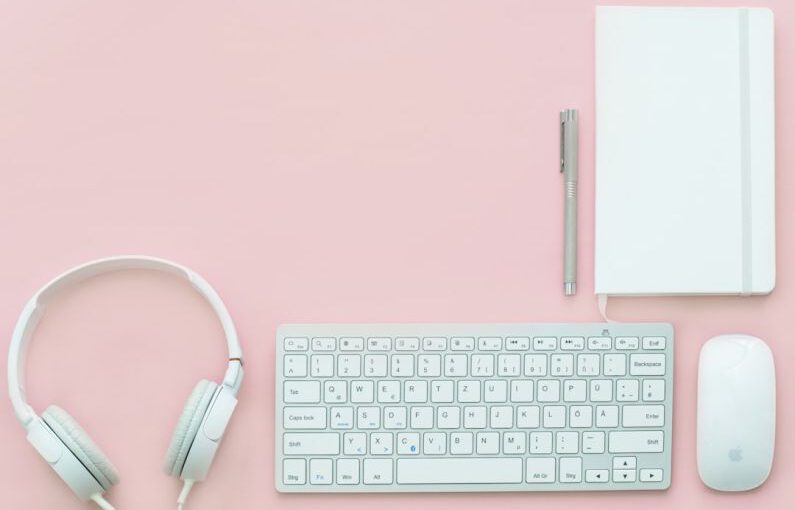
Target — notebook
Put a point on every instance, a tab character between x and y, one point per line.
684	151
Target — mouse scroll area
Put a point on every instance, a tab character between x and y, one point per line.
736	412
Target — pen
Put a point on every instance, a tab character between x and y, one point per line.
568	167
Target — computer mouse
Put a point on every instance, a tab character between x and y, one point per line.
736	412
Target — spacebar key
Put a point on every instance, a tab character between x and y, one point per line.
429	471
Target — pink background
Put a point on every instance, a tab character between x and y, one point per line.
316	161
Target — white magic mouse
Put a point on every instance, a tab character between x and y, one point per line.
736	412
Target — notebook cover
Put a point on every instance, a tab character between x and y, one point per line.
684	151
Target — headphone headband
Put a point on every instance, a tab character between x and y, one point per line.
34	309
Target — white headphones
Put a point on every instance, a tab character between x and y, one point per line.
67	447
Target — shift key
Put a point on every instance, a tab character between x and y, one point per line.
304	443
642	441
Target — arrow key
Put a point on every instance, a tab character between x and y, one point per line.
597	476
623	475
651	475
625	462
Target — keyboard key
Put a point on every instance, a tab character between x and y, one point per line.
381	443
545	343
294	471
535	365
495	391
347	471
647	364
517	343
626	343
377	471
522	391
459	470
593	442
341	417
395	417
434	443
422	417
656	343
296	344
651	475
540	470
615	365
627	390
354	443
482	365
570	470
514	443
429	365
335	392
509	365
624	475
625	462
379	343
322	365
468	391
561	365
368	417
375	365
408	443
351	344
567	443
606	416
295	365
587	364
324	344
580	417
318	443
548	390
349	365
490	343
448	417
455	365
462	343
305	417
320	471
554	417
402	365
572	343
461	443
597	476
442	391
475	417
434	343
574	390
487	443
541	442
407	344
643	416
646	441
653	390
302	392
528	417
362	392
601	390
415	391
599	343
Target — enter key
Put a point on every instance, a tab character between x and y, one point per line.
643	416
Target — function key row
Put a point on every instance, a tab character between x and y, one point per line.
484	343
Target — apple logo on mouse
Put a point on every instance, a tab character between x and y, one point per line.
736	454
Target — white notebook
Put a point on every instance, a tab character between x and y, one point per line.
684	151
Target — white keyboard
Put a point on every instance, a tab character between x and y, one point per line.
473	407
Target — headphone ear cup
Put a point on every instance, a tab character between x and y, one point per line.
80	444
188	426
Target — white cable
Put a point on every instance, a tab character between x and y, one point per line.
601	300
102	502
183	495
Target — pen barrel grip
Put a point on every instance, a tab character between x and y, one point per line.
570	232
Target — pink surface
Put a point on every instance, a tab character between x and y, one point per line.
316	161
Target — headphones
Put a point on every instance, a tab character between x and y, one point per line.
69	450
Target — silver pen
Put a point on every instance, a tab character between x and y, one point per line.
568	167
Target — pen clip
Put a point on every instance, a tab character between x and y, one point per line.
562	140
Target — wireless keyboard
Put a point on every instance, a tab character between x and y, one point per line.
477	407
